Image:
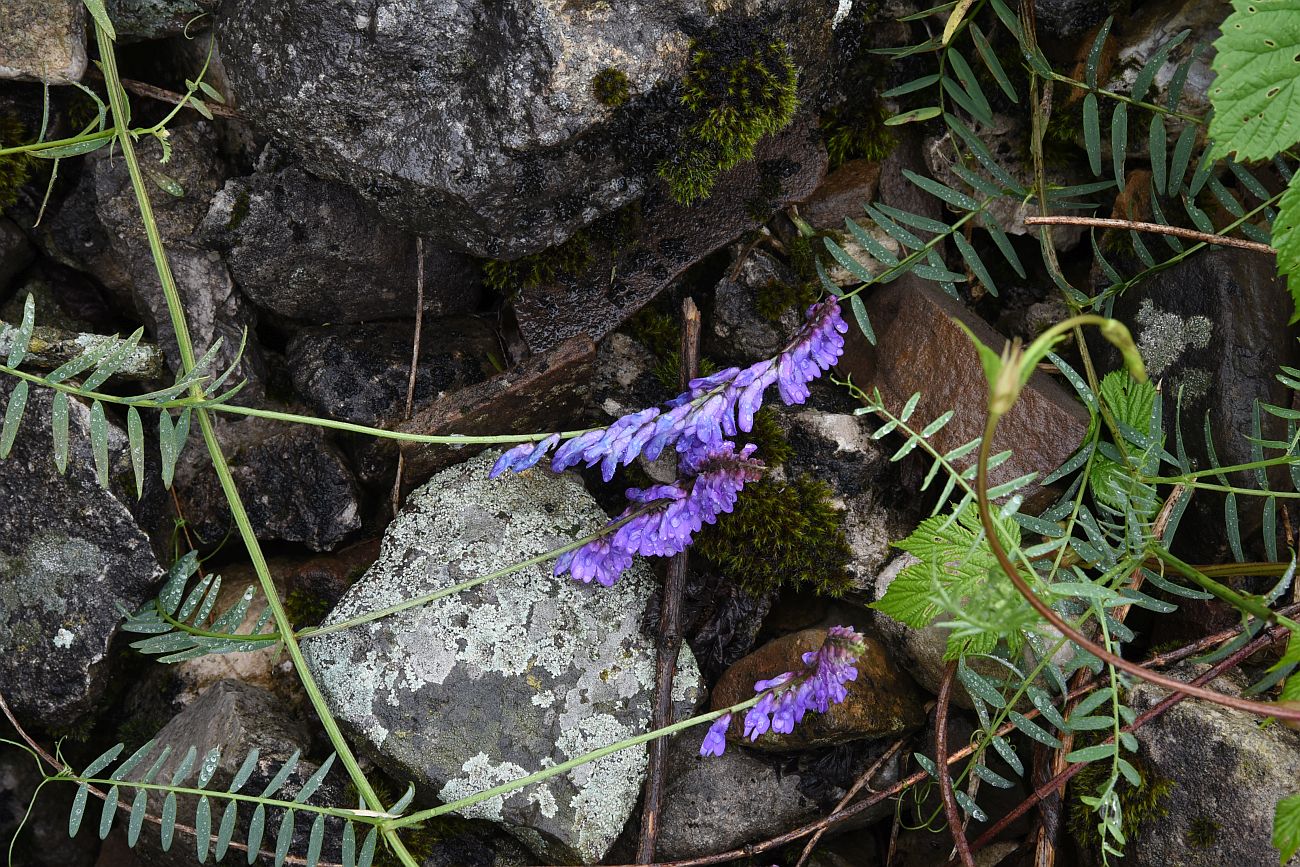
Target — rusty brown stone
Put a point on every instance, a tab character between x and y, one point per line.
920	348
670	239
842	194
882	702
547	392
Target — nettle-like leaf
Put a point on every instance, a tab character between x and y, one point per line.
1286	827
1286	240
1256	92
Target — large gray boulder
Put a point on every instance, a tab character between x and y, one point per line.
510	677
477	122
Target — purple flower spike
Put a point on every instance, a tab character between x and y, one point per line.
716	739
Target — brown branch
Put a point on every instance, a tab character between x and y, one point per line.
955	827
140	88
126	808
670	628
415	363
1177	231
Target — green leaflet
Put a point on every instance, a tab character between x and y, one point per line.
1256	92
1286	240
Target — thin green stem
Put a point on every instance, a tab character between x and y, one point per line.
1119	97
1248	604
176	310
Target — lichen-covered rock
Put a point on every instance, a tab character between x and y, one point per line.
70	554
478	123
509	677
313	250
43	40
1227	772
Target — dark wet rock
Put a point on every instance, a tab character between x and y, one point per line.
502	679
237	718
669	239
550	391
360	373
16	253
314	250
44	839
624	380
479	124
155	19
882	702
921	349
1227	774
43	40
1215	328
741	332
722	802
98	229
295	484
70	553
1070	19
842	194
1151	25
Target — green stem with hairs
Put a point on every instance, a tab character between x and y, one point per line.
176	310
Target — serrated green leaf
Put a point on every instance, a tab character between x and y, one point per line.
135	438
23	336
1286	827
1286	240
99	442
13	417
1256	90
1092	132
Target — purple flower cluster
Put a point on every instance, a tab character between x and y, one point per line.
721	404
790	695
714	476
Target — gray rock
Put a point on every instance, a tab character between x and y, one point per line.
740	332
43	40
1228	773
16	253
315	251
476	122
360	373
295	484
722	802
237	718
155	19
1151	25
70	554
506	678
624	379
98	229
1070	19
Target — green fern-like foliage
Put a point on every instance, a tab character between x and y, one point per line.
15	169
565	259
611	87
735	93
781	534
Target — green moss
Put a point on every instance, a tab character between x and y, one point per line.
306	608
15	169
781	534
239	211
776	297
611	87
857	130
734	93
767	434
565	259
1140	804
656	331
1203	833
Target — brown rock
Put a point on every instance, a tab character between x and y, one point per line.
881	702
920	348
670	239
842	194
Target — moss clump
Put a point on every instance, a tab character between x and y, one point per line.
656	331
611	87
565	259
857	130
781	534
1140	804
239	211
773	447
15	169
306	608
776	297
1203	833
735	92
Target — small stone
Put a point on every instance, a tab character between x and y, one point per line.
16	252
1228	772
1070	19
155	19
506	678
43	40
1151	25
882	701
315	251
920	348
842	194
70	554
740	331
